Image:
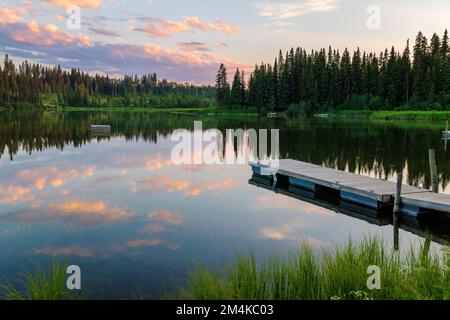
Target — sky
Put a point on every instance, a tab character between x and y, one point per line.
186	40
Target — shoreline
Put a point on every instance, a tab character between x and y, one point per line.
403	115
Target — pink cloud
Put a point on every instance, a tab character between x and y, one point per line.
222	45
192	46
91	4
197	23
160	28
189	58
10	15
151	51
194	66
104	32
27	3
47	35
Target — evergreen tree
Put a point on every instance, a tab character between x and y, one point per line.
243	100
222	86
420	68
236	90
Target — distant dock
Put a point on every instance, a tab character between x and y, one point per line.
96	127
361	190
100	130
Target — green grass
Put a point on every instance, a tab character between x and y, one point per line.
393	115
411	115
129	109
216	112
40	284
339	274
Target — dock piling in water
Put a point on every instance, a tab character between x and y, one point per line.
446	135
397	203
433	171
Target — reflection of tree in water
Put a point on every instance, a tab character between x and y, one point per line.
378	149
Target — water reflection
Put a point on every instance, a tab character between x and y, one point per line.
119	208
436	225
378	149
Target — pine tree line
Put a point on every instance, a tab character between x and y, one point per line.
27	84
328	79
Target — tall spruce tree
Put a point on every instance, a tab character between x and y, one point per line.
236	90
222	86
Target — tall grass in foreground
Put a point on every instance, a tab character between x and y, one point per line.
332	274
40	284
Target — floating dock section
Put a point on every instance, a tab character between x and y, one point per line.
100	130
353	188
96	127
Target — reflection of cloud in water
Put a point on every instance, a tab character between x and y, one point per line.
168	184
139	243
52	175
167	217
291	232
83	213
106	252
153	228
144	243
281	202
66	192
285	231
15	194
65	251
157	163
222	185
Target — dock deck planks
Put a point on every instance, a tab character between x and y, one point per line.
371	188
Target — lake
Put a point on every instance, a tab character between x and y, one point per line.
137	224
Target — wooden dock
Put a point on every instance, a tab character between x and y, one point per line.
100	130
96	127
362	190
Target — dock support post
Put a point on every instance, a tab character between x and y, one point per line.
433	171
446	134
397	203
275	180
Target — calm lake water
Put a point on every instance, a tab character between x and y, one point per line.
135	222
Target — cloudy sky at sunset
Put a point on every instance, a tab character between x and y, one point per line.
185	40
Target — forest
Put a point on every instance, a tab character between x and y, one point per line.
34	85
298	82
324	80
